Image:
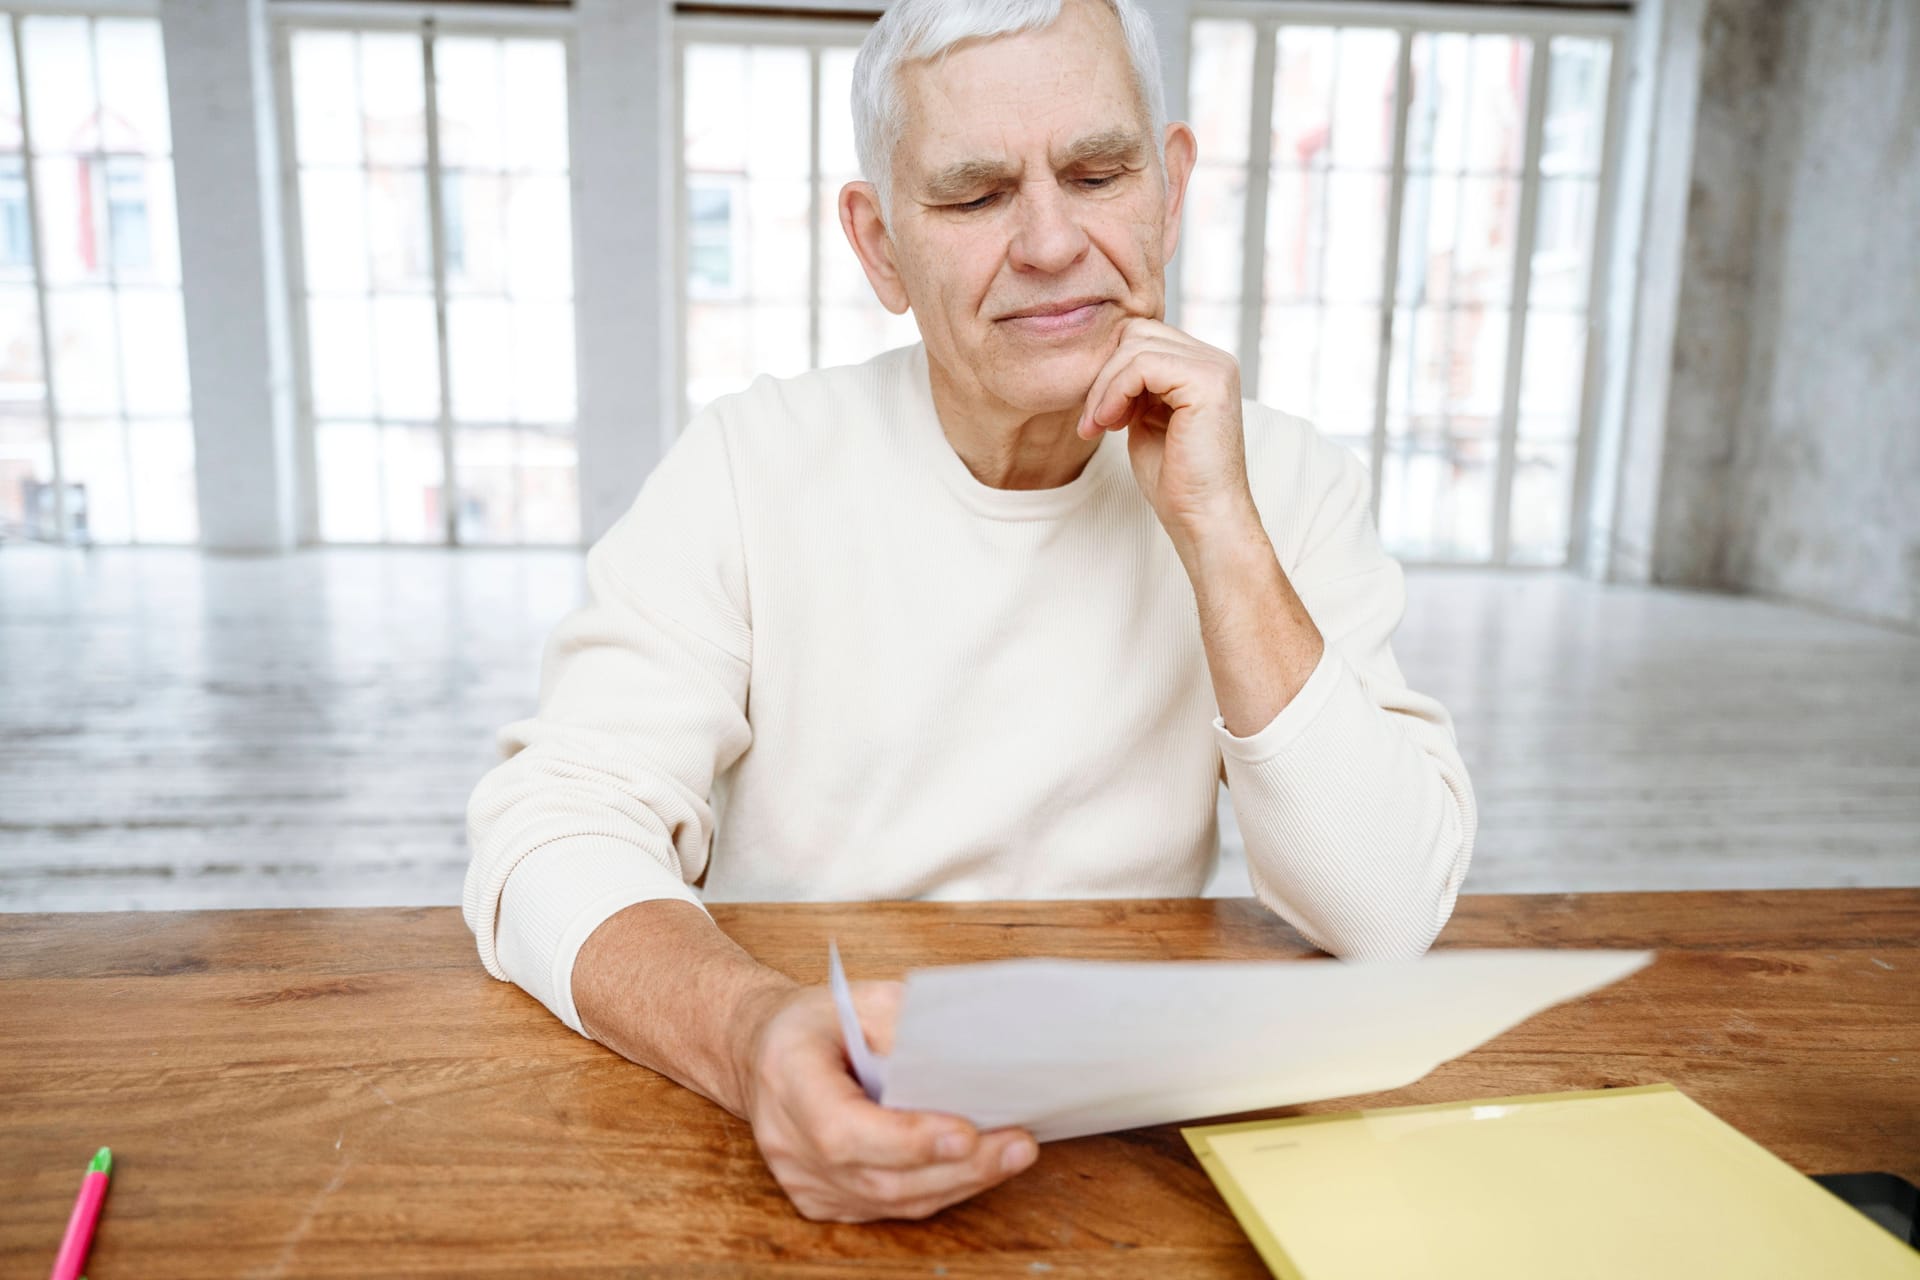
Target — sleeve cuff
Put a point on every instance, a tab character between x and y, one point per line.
557	896
1293	719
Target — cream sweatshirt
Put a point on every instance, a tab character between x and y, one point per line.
819	660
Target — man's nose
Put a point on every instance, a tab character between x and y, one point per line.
1047	236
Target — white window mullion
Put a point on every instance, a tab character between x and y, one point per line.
436	240
813	208
1538	64
1253	239
1390	269
1597	310
292	231
51	401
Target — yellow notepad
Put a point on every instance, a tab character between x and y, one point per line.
1641	1183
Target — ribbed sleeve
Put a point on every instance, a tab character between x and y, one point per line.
601	799
1355	806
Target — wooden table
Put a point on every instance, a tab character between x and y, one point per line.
345	1093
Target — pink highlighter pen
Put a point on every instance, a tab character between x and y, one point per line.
86	1212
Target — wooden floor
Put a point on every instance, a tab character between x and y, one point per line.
187	731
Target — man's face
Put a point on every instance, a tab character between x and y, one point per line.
1027	181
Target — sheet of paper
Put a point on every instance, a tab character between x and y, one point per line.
1071	1047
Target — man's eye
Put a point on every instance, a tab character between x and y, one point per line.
979	202
1105	180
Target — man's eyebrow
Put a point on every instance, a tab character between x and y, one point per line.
1110	146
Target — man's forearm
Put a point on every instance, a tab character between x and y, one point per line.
1261	644
659	983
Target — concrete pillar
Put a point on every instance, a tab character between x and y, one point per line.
239	362
624	210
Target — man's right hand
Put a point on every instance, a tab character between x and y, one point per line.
839	1156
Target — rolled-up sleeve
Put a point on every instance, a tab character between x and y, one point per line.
602	798
1354	803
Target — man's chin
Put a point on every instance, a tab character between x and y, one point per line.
1050	380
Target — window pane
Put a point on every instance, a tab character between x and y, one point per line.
549	487
1436	498
140	221
536	72
1542	502
837	153
1574	130
777	247
851	334
1294	226
719	357
72	211
1213	324
716	98
1289	357
156	363
10	135
1457	239
779	340
479	355
333	230
401	254
93	452
1563	241
779	104
474	235
468	80
406	364
348	458
1220	89
540	237
488	500
1497	115
1213	234
162	459
326	105
1363	109
86	363
415	478
1356	230
1437	116
133	85
393	98
22	379
340	356
1554	368
1348	364
26	474
543	389
1303	97
64	113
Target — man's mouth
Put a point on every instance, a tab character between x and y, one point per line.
1055	319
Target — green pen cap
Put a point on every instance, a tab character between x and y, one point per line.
102	1161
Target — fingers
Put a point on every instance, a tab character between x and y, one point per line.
1141	371
850	1129
921	1191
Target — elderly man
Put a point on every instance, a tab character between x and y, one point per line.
985	617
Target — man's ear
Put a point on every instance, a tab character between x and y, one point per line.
867	233
1181	151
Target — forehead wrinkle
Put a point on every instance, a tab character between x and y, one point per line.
1118	146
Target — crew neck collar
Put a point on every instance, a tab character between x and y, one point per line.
984	499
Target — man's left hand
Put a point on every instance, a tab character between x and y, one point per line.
1180	400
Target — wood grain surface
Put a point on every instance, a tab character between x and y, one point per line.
346	1093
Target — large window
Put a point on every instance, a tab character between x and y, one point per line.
1395	229
93	354
770	283
436	260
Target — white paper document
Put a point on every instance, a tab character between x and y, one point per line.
1071	1047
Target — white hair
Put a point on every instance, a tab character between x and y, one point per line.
913	30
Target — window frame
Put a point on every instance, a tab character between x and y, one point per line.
1540	27
426	22
16	15
812	34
